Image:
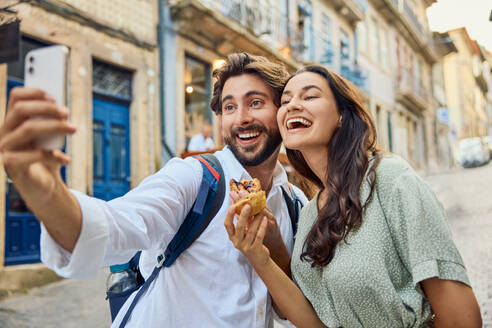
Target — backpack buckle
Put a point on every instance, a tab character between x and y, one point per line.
160	260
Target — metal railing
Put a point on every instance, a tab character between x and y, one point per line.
409	84
413	18
355	74
324	50
264	21
362	4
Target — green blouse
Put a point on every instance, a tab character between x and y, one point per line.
373	279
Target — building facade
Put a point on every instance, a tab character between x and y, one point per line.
445	136
383	46
113	79
201	33
465	76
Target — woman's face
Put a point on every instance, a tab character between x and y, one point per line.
308	115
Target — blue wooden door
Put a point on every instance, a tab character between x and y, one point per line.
111	142
22	229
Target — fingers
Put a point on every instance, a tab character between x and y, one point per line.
234	196
21	93
23	110
260	235
242	220
229	222
28	157
253	229
33	128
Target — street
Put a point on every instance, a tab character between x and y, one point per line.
465	195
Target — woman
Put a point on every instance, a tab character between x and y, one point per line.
372	247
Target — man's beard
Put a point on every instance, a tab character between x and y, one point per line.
266	149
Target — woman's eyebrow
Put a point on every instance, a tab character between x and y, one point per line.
307	87
311	86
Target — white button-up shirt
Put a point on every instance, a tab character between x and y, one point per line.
211	284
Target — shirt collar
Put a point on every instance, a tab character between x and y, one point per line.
238	172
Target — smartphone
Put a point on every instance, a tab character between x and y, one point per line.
46	68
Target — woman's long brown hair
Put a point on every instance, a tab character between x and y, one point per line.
349	151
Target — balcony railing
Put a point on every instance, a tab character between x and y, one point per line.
412	89
324	53
355	74
362	4
412	17
264	21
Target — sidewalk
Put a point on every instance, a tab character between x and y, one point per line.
67	304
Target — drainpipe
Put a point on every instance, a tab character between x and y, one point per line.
162	27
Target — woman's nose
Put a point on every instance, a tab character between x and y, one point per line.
293	105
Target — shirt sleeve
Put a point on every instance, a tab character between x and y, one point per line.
147	217
419	229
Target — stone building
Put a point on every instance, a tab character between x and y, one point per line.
398	50
445	136
466	86
200	33
113	99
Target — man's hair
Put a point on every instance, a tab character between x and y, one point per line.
273	74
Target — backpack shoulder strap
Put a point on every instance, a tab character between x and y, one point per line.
294	206
208	202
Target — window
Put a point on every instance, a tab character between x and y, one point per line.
118	152
305	27
197	96
374	40
362	36
390	133
16	69
417	75
111	80
384	48
327	51
344	53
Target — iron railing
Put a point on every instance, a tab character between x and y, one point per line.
362	4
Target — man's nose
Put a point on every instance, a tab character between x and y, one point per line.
243	116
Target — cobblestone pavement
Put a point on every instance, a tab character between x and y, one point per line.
465	194
67	303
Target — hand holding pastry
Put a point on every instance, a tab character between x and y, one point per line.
247	192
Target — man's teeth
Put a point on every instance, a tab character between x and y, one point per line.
248	135
304	122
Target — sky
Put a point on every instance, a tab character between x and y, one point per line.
446	15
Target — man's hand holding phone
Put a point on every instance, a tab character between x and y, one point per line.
34	171
31	139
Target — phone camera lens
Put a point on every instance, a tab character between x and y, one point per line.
31	70
31	59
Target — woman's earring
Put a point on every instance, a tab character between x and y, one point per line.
340	122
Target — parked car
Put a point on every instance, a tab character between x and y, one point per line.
488	141
473	152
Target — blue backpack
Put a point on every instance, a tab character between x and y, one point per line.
208	202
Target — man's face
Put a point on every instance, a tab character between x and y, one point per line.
249	124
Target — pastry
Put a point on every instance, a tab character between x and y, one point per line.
255	197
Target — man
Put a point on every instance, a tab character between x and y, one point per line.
211	284
202	141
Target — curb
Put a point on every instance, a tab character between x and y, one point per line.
20	278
